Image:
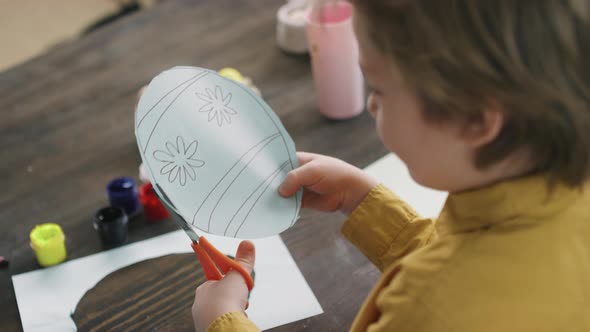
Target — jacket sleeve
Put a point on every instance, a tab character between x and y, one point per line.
233	322
385	229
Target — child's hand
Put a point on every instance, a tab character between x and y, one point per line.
230	294
329	184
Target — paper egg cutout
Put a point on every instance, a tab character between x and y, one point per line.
216	153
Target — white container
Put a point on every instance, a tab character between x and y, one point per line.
291	36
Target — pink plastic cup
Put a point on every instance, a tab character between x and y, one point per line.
334	58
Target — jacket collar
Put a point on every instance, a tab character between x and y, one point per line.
523	200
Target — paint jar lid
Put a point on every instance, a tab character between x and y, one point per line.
111	223
46	235
290	31
235	75
122	192
48	242
232	73
153	209
121	187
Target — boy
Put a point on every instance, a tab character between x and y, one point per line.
487	100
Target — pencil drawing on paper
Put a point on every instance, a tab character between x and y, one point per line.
217	105
253	199
187	84
179	161
222	186
225	187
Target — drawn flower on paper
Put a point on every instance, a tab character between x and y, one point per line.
178	161
216	104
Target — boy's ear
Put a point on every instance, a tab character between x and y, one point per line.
484	128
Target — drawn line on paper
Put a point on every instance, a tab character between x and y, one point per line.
201	75
272	175
296	205
163	97
260	145
296	211
217	105
178	161
232	182
156	104
268	182
272	118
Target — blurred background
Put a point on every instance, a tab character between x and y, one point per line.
29	28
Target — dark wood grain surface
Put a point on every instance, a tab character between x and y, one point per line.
163	287
66	128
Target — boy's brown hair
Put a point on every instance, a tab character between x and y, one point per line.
532	57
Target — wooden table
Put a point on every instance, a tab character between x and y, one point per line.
66	128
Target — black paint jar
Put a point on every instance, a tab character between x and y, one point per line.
111	224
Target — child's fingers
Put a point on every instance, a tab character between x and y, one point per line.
290	185
305	199
303	176
305	157
298	177
246	254
310	199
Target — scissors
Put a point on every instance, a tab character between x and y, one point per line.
215	263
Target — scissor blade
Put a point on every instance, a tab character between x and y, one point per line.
186	228
177	217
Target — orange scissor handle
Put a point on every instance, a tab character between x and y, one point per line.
209	267
211	259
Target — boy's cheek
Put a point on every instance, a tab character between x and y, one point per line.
384	134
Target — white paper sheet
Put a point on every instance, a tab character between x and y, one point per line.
216	153
393	173
46	298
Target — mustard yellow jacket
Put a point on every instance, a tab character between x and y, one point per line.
509	257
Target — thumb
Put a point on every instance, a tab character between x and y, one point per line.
291	183
300	176
306	175
246	255
297	177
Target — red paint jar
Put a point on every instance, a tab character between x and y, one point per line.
153	209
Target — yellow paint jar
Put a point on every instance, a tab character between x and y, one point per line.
48	242
232	73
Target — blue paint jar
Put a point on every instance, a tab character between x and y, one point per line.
122	193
